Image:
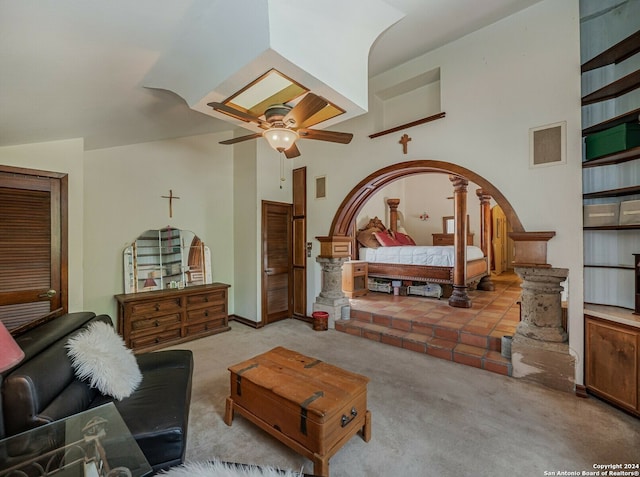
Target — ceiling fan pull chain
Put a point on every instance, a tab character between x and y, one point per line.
282	179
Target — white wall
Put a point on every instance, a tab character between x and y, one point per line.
496	84
65	157
122	196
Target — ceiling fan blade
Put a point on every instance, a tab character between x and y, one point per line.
292	152
241	115
307	107
241	138
321	135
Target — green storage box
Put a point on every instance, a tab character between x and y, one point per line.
615	139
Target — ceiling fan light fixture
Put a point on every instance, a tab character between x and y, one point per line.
280	139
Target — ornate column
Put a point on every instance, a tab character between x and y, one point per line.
393	213
485	237
459	297
334	251
541	303
540	351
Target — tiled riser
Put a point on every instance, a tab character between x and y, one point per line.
472	337
433	345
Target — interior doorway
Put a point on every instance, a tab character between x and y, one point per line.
499	240
277	261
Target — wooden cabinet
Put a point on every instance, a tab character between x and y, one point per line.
447	239
155	319
354	278
612	367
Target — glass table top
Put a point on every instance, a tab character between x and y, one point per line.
94	443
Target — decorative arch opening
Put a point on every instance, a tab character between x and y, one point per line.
343	223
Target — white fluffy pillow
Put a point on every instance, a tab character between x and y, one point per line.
99	355
216	468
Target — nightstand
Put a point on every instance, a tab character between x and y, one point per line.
354	278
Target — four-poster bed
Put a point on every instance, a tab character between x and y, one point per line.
444	265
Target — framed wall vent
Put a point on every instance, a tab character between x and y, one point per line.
548	145
321	187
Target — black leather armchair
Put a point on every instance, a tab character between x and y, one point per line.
43	388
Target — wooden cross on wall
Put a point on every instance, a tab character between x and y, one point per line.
404	141
170	197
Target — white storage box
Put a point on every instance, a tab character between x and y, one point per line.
375	285
430	289
598	215
630	212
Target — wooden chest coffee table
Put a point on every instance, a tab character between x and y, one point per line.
312	407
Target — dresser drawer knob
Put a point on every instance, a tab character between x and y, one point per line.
206	313
157	306
158	341
157	323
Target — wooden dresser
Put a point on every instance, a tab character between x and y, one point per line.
155	319
447	239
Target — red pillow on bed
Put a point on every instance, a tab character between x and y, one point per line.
386	240
403	239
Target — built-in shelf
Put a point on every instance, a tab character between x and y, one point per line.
624	191
616	54
631	116
614	227
618	267
613	90
615	158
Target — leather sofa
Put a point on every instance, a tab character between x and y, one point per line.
43	388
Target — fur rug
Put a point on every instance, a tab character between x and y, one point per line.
217	468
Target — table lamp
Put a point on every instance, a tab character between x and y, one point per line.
10	352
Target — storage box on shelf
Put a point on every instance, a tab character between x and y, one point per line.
615	139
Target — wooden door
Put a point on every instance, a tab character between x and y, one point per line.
499	240
33	245
277	276
300	242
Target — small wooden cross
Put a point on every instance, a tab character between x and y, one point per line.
170	197
404	140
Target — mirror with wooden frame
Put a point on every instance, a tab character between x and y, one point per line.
449	224
166	258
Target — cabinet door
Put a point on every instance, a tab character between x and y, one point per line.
612	363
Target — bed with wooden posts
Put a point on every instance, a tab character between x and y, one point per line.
430	264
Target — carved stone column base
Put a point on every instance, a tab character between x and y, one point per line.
331	299
541	306
549	364
459	298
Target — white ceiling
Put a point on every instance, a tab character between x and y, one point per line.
74	68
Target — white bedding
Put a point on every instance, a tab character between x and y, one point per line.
417	255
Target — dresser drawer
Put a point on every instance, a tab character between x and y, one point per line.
216	296
166	336
359	268
155	306
211	325
208	313
154	323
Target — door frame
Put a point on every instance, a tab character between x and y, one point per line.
59	229
263	314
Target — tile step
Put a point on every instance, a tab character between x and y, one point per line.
461	348
490	340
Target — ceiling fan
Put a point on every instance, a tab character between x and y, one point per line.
282	124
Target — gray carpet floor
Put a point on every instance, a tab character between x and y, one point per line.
430	417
